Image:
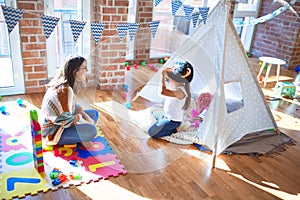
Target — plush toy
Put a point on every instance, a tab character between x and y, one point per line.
203	101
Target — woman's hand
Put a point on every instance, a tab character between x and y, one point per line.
77	118
79	110
87	118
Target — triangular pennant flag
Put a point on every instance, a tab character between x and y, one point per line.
12	17
132	30
97	29
122	30
49	24
195	17
188	11
157	2
153	27
204	12
175	7
76	27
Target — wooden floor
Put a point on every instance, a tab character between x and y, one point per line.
161	170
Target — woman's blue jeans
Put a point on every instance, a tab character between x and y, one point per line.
80	132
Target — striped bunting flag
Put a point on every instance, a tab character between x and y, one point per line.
157	2
76	27
49	24
132	30
188	11
195	17
175	7
12	17
153	27
122	30
204	12
97	29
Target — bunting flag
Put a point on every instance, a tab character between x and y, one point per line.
157	2
12	17
122	30
132	30
195	17
263	18
153	27
204	12
175	7
97	29
188	11
49	24
76	27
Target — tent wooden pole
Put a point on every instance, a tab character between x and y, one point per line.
222	79
135	97
214	161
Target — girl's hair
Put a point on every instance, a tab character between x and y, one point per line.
66	73
183	72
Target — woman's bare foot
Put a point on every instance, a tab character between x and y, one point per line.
87	145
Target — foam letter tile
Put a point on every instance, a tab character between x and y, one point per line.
100	147
1	188
11	143
21	182
105	166
17	160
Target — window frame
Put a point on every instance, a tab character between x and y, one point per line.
247	32
16	59
130	45
83	41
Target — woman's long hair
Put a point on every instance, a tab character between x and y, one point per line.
66	73
183	72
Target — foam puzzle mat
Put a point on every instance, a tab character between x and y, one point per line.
19	177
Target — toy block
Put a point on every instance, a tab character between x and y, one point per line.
48	148
56	182
70	145
37	142
62	178
285	89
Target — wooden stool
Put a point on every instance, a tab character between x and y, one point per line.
270	61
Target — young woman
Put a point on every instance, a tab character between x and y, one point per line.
177	98
65	121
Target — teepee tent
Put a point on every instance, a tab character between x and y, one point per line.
221	68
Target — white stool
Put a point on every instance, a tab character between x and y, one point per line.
270	61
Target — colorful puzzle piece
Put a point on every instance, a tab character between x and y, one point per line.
18	176
21	182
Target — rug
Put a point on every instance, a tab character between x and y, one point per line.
75	165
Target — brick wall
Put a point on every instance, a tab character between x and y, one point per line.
278	37
33	45
110	54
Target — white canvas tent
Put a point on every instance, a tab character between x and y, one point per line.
221	65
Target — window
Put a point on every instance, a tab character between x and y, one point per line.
11	67
131	19
61	44
246	12
233	96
